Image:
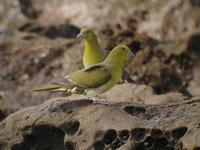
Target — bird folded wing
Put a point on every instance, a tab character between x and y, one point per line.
91	77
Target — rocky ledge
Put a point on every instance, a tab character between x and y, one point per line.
64	124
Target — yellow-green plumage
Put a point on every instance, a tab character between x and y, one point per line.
96	75
97	78
93	53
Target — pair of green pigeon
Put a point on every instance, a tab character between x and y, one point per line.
101	72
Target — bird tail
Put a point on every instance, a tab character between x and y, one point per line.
54	87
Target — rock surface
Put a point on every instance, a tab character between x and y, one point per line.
64	124
138	94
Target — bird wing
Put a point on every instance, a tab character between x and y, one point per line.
91	77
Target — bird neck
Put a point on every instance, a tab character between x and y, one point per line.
92	46
115	62
93	53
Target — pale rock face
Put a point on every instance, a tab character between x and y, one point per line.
166	20
83	124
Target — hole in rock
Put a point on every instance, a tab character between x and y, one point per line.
193	44
149	142
42	137
98	145
161	143
69	146
116	144
124	135
138	134
134	110
179	132
110	136
137	146
156	133
2	115
71	127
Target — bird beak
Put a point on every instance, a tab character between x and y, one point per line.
79	35
130	53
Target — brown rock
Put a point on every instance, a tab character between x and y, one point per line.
84	124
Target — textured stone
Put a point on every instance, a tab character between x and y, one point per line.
82	124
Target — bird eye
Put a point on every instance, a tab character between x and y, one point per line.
87	32
123	49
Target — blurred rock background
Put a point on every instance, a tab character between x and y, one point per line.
38	45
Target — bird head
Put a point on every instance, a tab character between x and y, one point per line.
87	34
123	50
118	54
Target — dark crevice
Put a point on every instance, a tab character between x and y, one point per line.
27	9
179	132
135	110
138	134
98	145
42	137
51	32
124	135
71	128
2	115
109	136
156	133
69	146
116	144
